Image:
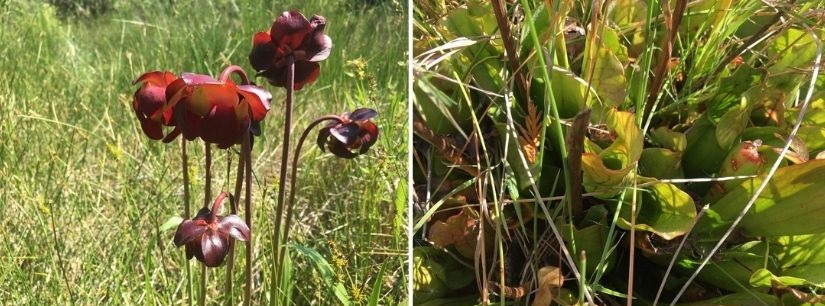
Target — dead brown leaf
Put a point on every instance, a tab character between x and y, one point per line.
459	230
549	278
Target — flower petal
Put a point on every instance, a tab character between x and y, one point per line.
289	29
305	73
362	114
264	52
202	214
188	230
157	78
175	92
221	127
172	135
340	149
151	128
369	135
319	49
214	248
204	97
258	99
323	136
346	133
198	79
192	248
188	123
234	226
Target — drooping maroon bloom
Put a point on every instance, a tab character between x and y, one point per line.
352	136
217	112
148	101
291	35
206	236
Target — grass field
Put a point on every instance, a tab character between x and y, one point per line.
85	192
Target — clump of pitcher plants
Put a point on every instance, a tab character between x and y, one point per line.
224	113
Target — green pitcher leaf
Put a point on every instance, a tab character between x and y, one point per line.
442	113
790	205
794	50
662	209
661	163
813	275
731	125
799	250
813	136
609	168
763	278
606	77
591	238
741	298
435	274
703	155
669	139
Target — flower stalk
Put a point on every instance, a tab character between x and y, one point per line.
294	177
279	212
246	149
186	211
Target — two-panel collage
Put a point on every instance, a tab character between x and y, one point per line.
412	152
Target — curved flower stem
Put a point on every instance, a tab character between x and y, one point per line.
186	210
246	148
216	206
227	72
294	176
290	83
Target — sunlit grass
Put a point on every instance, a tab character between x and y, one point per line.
74	163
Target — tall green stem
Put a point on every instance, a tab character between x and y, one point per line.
290	83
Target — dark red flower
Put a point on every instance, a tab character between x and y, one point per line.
217	112
352	136
206	236
291	35
149	99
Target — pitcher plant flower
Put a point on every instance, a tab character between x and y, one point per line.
206	237
353	135
199	106
292	35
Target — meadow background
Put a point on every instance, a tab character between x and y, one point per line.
85	192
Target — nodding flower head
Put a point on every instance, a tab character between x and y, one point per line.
292	35
206	237
199	106
353	135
